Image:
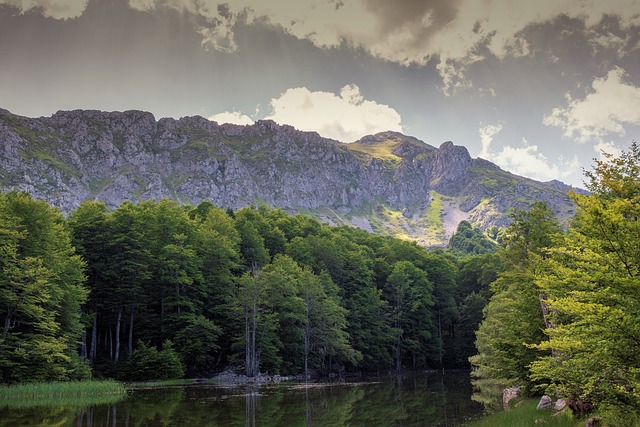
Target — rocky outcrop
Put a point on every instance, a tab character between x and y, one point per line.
508	394
80	155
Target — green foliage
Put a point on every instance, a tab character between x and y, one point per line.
147	362
513	319
470	241
523	413
592	280
563	317
41	291
220	285
197	344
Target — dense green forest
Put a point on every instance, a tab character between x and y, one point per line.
160	290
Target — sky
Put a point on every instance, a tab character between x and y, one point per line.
540	88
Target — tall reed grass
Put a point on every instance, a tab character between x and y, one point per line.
81	393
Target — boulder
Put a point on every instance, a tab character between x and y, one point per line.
545	403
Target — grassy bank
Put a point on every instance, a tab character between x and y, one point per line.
62	393
524	414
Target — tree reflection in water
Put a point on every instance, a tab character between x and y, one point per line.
411	400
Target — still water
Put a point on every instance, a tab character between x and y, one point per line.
414	400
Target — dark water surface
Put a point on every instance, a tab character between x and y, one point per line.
415	400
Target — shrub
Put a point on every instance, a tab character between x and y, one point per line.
147	363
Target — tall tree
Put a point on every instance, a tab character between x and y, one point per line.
89	225
514	318
592	280
129	267
409	293
41	291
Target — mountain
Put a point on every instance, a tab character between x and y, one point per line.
388	183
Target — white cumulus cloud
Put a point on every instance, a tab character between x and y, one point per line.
526	160
607	148
486	138
611	105
234	117
346	116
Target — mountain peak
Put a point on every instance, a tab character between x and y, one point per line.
389	183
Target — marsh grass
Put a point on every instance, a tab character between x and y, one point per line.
83	393
524	414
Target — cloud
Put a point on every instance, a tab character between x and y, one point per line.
345	117
612	104
608	148
234	117
56	9
526	160
218	22
456	33
486	137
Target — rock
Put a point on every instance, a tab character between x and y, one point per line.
593	422
560	405
545	403
81	155
508	394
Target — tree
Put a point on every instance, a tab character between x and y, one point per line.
41	291
149	363
197	344
514	318
326	341
468	240
410	295
592	280
130	260
89	225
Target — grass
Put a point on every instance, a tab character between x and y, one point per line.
383	151
524	414
82	393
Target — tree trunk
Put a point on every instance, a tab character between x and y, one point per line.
251	324
247	333
545	316
118	321
94	338
131	330
398	335
7	325
254	351
307	333
83	348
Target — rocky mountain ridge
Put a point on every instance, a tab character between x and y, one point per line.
387	183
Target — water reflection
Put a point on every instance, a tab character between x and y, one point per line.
416	400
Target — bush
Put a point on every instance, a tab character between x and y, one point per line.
147	363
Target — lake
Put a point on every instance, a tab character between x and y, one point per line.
414	400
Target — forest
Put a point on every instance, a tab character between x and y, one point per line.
162	290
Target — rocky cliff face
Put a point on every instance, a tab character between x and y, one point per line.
389	183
